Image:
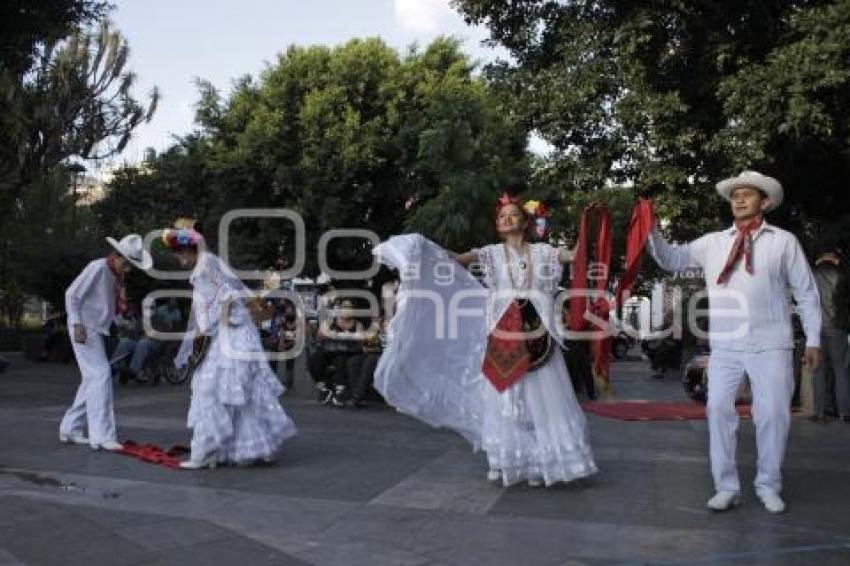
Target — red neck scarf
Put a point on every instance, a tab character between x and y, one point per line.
742	247
121	302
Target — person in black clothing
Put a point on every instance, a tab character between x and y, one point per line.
577	357
282	339
832	377
338	340
57	346
361	369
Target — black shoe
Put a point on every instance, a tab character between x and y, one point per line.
817	418
845	418
325	394
341	393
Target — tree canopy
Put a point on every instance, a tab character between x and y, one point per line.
356	136
674	96
65	98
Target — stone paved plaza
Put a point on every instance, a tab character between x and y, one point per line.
374	487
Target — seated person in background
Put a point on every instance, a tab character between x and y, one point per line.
389	292
278	335
361	368
285	328
57	347
128	329
666	354
164	319
337	340
170	316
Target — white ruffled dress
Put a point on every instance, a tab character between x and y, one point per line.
234	410
431	369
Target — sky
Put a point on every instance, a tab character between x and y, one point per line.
176	41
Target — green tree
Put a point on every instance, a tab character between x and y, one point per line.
680	95
27	25
355	136
64	97
74	102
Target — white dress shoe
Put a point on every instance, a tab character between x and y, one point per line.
110	445
536	482
724	500
494	475
208	462
771	500
73	438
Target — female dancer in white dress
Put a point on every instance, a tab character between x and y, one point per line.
533	429
234	414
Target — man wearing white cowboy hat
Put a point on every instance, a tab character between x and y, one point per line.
748	270
92	301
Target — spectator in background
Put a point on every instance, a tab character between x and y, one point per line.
361	368
832	378
166	318
169	316
339	339
281	339
57	346
128	329
389	291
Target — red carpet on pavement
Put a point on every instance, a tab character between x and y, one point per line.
653	410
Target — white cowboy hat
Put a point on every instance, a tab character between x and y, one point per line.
768	185
133	248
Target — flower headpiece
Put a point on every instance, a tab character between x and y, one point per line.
184	222
177	239
540	213
536	209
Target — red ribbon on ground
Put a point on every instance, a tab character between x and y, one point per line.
154	454
600	348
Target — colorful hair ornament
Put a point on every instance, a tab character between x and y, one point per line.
536	208
177	239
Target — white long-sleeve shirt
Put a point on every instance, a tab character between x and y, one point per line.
751	312
90	300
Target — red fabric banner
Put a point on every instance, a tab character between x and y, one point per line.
599	307
640	226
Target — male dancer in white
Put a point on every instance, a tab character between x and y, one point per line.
749	269
92	301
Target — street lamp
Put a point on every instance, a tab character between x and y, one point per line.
75	169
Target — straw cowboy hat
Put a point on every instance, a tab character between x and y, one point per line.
132	247
767	185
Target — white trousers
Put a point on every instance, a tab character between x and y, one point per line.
771	375
93	403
